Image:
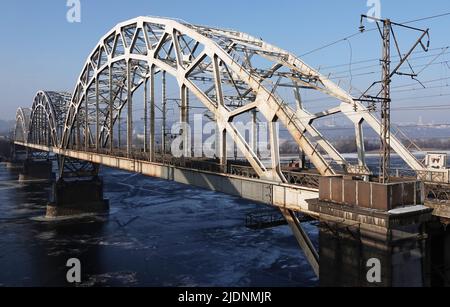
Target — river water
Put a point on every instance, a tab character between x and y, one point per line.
157	233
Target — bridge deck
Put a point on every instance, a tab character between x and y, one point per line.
286	196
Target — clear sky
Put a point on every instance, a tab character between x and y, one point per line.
41	50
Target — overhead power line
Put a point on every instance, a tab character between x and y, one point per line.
443	52
427	18
370	30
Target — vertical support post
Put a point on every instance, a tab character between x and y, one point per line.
188	136
130	111
44	131
275	150
152	113
86	123
386	104
254	132
43	134
38	124
184	120
145	114
39	129
33	134
78	141
223	149
302	159
97	115
218	81
164	110
111	110
187	105
359	133
221	131
119	129
48	134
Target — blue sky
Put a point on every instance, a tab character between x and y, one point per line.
41	50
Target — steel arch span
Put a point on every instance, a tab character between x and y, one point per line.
22	124
231	74
133	52
46	119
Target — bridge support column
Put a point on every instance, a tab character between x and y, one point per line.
372	234
11	155
354	256
16	160
36	170
74	197
438	248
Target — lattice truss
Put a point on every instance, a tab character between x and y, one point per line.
46	118
232	75
22	124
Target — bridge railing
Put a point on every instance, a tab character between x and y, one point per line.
243	171
304	179
427	176
308	180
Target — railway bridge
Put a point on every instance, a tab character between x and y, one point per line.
149	73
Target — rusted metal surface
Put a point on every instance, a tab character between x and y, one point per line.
376	222
371	195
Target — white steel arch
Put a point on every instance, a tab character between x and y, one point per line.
134	51
47	116
22	124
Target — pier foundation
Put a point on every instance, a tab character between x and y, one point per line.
75	197
36	170
13	157
438	248
372	234
14	165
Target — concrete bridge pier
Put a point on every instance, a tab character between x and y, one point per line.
13	156
74	197
352	257
438	248
372	234
14	165
36	170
